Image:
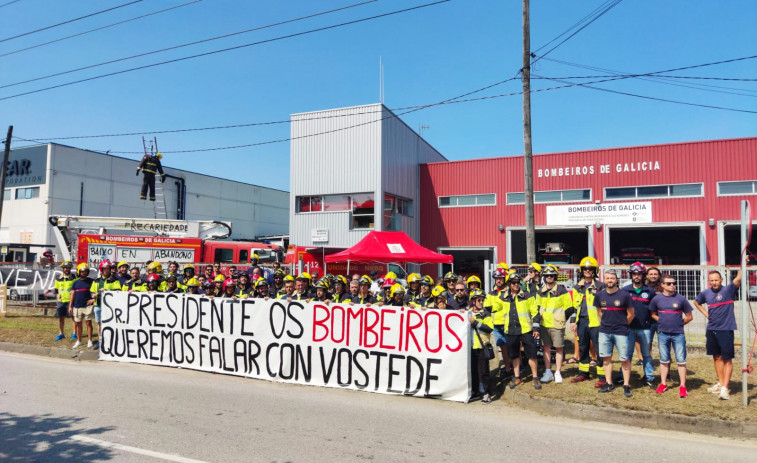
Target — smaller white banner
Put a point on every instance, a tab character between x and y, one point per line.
98	252
607	213
319	235
396	248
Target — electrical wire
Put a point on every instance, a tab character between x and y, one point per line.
237	47
597	16
667	77
607	78
576	24
618	92
9	3
69	21
188	44
99	28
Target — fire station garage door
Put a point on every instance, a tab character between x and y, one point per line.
571	245
732	245
655	245
468	261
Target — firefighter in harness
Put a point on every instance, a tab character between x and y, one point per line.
150	165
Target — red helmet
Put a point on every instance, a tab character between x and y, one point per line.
152	278
229	282
499	273
638	267
388	282
105	263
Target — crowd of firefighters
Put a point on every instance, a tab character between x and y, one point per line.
518	321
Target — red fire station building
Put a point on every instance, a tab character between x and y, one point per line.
674	204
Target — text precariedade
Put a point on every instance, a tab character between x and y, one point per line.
391	350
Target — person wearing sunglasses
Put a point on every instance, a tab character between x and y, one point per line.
672	311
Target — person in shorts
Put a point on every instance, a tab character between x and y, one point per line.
80	305
63	293
671	311
615	310
721	323
555	305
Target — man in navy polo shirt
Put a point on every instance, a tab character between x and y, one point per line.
615	310
640	329
721	323
671	311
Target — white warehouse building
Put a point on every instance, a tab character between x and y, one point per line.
354	170
52	179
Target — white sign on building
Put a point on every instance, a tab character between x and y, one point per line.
607	213
319	235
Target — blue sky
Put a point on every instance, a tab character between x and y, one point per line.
429	55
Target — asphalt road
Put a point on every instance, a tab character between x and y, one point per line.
53	410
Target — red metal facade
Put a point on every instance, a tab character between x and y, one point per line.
706	162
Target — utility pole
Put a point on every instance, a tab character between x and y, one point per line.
4	168
528	165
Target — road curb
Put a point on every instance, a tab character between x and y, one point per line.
55	352
559	408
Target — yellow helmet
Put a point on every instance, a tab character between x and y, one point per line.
155	267
550	270
503	266
122	263
413	277
304	276
589	262
535	267
288	278
159	155
396	289
255	256
66	263
220	278
473	279
193	282
390	275
439	291
82	267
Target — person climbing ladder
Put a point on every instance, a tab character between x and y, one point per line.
150	165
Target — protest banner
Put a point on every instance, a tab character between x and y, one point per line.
15	277
390	350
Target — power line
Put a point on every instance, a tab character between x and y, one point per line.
410	109
606	78
311	31
597	16
99	28
126	58
576	24
586	85
9	3
736	79
69	21
656	78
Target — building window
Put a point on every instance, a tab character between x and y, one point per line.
468	200
323	203
557	196
363	211
394	208
683	190
737	188
7	195
27	193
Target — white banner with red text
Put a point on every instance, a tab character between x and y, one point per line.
389	350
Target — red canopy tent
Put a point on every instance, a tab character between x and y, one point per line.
389	247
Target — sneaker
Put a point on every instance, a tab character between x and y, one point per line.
76	345
89	344
627	391
96	345
618	381
537	384
661	388
59	337
579	378
486	399
73	336
606	388
558	377
600	384
515	382
547	376
682	392
639	363
715	388
650	383
724	394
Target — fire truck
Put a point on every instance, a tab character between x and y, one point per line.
90	240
